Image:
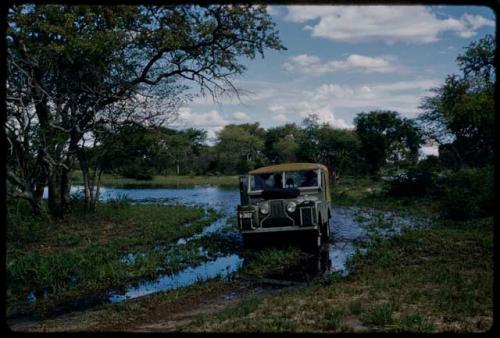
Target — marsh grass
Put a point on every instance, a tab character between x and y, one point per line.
273	261
371	193
81	256
438	279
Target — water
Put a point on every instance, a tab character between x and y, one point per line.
222	266
350	228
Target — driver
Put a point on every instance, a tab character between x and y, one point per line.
278	181
310	179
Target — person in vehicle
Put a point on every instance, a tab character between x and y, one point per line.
278	181
310	179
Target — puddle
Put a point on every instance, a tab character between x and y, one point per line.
221	267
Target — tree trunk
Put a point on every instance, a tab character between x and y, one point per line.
59	188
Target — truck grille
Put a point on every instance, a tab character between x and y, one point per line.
277	216
307	216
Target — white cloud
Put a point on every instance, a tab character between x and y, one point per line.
326	115
391	24
240	116
331	100
212	121
280	118
312	65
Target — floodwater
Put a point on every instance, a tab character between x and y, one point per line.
351	229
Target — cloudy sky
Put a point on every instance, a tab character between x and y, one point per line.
343	60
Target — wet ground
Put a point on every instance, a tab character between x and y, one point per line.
351	230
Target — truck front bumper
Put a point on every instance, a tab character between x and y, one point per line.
280	229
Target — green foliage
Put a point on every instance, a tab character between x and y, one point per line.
460	115
239	148
469	193
385	136
426	178
87	70
82	255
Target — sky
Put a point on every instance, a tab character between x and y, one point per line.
343	60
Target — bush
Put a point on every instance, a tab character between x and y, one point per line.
423	179
468	193
136	172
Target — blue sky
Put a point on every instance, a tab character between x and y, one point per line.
343	60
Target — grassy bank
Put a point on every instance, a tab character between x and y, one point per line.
84	255
159	181
425	281
370	193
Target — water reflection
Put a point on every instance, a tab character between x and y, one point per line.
221	267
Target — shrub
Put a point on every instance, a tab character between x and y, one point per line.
423	179
137	172
468	193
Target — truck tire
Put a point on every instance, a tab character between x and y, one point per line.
249	241
325	232
314	242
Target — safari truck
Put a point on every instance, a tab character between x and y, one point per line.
285	198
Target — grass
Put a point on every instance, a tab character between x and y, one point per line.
159	181
427	280
273	261
83	255
370	193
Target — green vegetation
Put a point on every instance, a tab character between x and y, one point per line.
371	193
84	255
427	280
272	261
158	181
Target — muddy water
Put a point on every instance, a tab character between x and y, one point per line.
351	229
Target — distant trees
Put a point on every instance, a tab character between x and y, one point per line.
385	136
460	115
240	147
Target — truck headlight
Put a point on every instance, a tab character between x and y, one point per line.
291	207
264	208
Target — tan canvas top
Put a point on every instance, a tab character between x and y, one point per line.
288	167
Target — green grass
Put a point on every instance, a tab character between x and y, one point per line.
427	280
159	181
370	193
272	261
81	255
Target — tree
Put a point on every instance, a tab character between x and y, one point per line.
282	143
338	149
77	67
239	147
386	136
460	115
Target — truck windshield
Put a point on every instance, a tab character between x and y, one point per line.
301	179
266	181
289	179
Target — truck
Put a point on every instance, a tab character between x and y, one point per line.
285	198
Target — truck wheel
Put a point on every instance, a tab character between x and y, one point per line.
249	241
325	232
314	242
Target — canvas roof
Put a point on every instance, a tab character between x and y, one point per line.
288	167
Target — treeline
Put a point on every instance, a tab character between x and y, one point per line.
381	138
